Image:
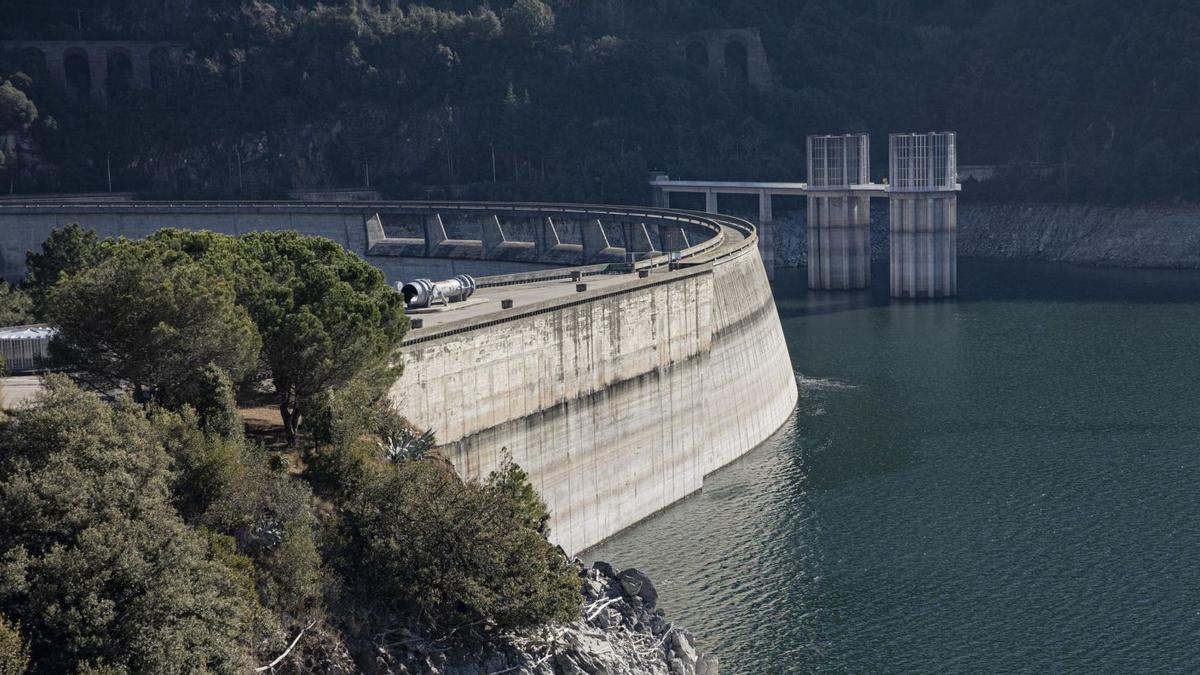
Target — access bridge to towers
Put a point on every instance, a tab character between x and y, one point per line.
922	193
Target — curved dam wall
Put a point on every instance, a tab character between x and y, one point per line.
617	401
617	404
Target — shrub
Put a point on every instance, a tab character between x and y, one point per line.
337	470
232	489
95	562
204	467
14	652
515	492
16	307
216	404
454	554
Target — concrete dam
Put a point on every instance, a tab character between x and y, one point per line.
619	355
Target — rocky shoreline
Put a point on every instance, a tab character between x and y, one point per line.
622	632
1102	236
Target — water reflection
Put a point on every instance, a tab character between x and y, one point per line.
1000	482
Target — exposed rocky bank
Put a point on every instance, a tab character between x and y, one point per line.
1108	236
1136	236
622	632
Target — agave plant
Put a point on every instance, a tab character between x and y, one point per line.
406	445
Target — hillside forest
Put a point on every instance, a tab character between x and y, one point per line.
1091	101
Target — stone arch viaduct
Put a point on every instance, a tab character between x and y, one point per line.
93	71
735	55
620	354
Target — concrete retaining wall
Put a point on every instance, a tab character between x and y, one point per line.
616	407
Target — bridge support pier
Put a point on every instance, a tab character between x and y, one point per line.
924	244
839	241
766	238
662	198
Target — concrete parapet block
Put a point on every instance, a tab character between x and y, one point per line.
497	245
673	237
595	239
596	244
435	232
553	250
439	244
493	235
375	233
378	243
639	239
550	240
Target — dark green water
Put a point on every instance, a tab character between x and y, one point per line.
1006	482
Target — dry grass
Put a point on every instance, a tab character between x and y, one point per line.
264	425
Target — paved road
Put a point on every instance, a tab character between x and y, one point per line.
17	389
487	300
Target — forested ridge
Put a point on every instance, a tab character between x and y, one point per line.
565	99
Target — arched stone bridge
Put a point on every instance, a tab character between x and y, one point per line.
734	55
90	71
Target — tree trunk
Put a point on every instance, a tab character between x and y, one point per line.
291	422
288	413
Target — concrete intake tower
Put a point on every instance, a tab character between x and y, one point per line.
923	215
839	212
923	201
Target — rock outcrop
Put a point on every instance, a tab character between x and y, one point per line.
622	632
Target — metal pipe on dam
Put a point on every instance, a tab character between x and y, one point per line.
421	293
617	396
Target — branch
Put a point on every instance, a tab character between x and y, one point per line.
599	607
288	651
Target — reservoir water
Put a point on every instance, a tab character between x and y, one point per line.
1004	482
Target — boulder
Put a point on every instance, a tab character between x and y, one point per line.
707	665
566	663
678	667
634	583
681	644
605	569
